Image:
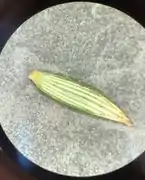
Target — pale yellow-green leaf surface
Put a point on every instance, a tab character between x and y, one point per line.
78	96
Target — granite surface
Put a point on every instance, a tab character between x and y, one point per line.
97	45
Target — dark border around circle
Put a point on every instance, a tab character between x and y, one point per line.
131	171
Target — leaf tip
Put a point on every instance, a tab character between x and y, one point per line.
127	122
36	76
33	75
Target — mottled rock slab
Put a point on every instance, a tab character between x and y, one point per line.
96	44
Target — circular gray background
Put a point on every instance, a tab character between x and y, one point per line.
96	44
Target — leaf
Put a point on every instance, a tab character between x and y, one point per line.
80	97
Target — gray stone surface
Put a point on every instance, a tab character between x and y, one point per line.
96	44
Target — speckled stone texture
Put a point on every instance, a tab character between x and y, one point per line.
96	44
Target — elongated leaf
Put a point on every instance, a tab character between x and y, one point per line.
80	97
